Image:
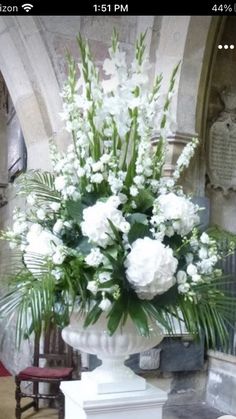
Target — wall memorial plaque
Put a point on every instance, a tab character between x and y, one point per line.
221	165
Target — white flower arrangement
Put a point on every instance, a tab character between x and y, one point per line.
106	230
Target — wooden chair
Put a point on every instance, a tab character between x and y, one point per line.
59	367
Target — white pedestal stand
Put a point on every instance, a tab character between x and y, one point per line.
82	402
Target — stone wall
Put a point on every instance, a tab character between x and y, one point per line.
222	203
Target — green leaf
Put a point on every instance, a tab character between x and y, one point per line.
115	315
138	316
138	231
84	246
157	314
75	210
144	200
115	231
137	217
93	315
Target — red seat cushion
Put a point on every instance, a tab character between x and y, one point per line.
47	373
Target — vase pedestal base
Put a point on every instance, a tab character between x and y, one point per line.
102	380
82	402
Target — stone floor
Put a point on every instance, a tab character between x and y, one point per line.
197	411
7	406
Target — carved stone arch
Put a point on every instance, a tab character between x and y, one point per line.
27	70
191	41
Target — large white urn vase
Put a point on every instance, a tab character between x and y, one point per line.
112	376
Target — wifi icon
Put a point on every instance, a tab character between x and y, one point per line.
27	7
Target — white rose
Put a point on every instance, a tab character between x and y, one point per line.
205	239
191	269
150	268
181	277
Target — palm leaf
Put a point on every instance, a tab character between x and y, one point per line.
37	264
32	301
41	184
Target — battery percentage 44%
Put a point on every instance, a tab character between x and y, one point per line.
222	8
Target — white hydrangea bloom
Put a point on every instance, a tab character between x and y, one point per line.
178	208
150	268
96	225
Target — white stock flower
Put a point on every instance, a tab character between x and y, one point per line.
183	288
92	287
55	206
97	178
178	208
60	183
196	278
41	214
150	268
105	304
58	226
133	191
97	166
203	253
31	198
19	227
104	276
96	225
